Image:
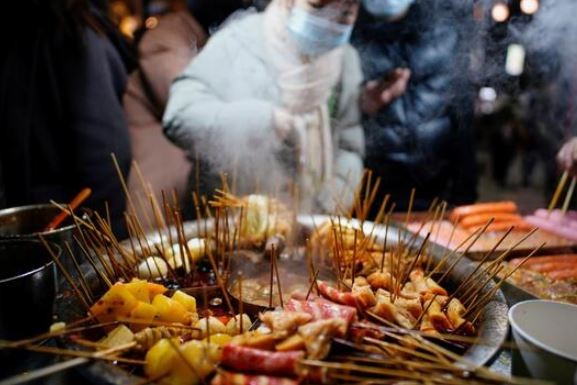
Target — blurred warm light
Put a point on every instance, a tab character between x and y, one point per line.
487	94
500	12
515	60
119	9
529	6
128	25
151	22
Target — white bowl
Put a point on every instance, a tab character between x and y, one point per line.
546	336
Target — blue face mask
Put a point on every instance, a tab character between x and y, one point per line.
387	9
316	35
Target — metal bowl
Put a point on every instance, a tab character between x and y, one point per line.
28	222
493	325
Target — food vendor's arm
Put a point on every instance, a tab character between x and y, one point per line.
349	153
199	116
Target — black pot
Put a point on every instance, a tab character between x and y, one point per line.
27	288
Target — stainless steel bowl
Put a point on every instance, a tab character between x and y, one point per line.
28	222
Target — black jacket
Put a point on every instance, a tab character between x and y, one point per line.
424	139
60	119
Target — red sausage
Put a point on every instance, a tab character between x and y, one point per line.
480	208
563	274
322	309
253	360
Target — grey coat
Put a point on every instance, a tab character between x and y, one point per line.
221	111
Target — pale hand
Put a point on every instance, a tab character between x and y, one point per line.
380	93
567	156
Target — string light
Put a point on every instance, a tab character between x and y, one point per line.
500	12
529	6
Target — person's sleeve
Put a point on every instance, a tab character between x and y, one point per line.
99	128
202	119
339	193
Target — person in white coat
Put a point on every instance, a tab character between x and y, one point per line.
272	102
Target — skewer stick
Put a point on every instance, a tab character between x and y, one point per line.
219	279
278	283
240	303
76	201
466	281
123	184
313	284
558	190
65	273
85	286
569	195
70	328
504	254
413	264
425	310
411	202
439	224
354	262
450	269
103	278
387	223
76	218
185	359
473	291
62	366
78	353
505	277
271	286
442	260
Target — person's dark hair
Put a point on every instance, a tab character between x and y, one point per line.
61	20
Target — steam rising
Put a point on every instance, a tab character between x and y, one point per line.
552	39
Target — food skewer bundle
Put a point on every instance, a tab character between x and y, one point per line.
385	292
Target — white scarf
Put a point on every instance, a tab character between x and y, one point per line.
305	84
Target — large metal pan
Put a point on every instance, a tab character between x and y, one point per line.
492	331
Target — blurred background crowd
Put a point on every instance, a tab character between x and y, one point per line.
463	100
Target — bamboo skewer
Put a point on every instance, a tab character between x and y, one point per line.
65	273
558	190
313	284
475	239
385	243
185	360
569	195
240	302
275	264
271	286
83	283
62	366
467	279
73	205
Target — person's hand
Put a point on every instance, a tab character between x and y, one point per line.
380	93
567	156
